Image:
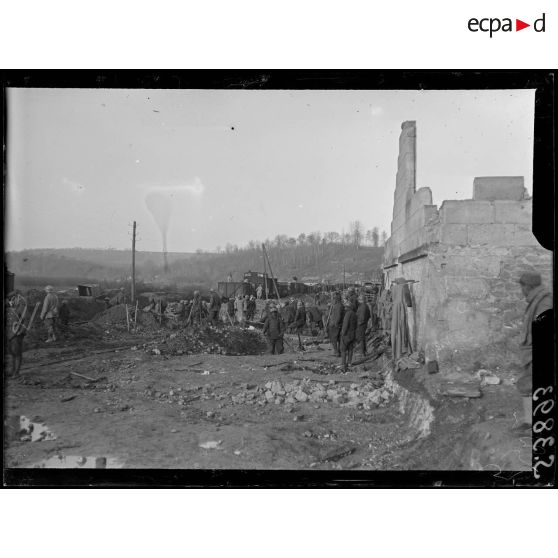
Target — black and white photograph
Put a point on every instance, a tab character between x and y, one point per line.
258	278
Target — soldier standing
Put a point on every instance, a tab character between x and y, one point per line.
363	315
335	323
214	307
120	296
251	308
196	310
16	307
230	308
274	329
348	335
49	313
300	322
239	307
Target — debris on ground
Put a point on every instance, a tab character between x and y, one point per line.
27	430
61	461
365	395
212	444
457	384
409	362
216	340
487	378
336	455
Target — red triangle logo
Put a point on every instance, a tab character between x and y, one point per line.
519	25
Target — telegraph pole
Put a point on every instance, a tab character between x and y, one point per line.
134	263
265	275
271	271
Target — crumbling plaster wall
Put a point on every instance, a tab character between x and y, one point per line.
466	257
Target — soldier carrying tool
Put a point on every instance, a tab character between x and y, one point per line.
16	329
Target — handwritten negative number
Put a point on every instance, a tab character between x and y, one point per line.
544	391
543	426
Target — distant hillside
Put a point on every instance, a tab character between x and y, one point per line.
306	262
94	264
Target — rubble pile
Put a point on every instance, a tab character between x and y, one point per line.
83	308
215	340
366	395
358	396
113	315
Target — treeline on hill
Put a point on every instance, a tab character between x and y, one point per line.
313	256
328	263
75	265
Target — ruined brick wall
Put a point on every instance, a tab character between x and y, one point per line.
466	258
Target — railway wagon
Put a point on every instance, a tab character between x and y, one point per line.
230	289
257	278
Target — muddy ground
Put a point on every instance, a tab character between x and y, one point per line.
158	398
138	403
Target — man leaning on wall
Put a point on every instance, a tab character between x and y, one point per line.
539	300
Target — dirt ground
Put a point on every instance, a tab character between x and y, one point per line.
139	404
157	398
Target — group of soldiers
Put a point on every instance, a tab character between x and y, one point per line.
192	312
241	309
347	325
237	310
345	322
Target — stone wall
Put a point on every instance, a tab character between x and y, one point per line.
466	258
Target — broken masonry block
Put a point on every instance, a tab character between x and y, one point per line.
432	367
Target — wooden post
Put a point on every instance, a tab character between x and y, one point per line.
265	273
271	271
127	318
134	264
28	326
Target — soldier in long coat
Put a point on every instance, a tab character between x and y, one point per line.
348	332
335	323
363	315
274	329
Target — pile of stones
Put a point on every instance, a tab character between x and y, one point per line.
362	396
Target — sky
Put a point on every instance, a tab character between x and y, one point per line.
211	167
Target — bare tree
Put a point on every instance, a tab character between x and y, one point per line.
375	237
335	237
384	238
356	233
331	237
